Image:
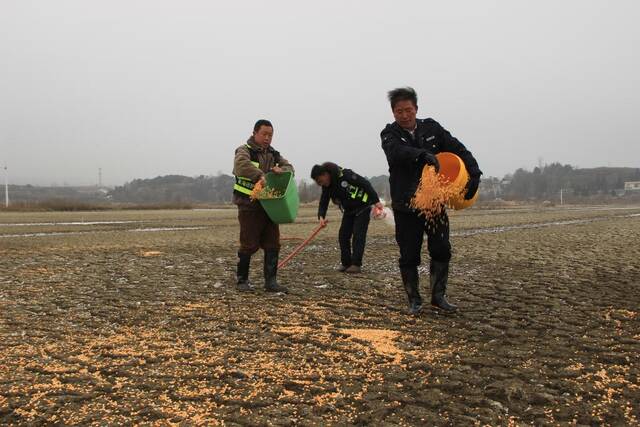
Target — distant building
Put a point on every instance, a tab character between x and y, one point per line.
491	187
632	186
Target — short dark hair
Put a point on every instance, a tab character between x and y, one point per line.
260	123
402	94
327	167
316	171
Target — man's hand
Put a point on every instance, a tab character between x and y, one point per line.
323	222
426	158
262	181
472	187
277	169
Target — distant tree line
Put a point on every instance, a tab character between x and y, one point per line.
208	189
547	181
176	189
32	193
541	183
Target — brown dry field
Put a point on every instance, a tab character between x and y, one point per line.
134	323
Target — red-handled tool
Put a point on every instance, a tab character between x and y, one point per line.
301	245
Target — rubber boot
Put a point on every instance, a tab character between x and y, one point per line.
244	261
439	272
271	271
411	282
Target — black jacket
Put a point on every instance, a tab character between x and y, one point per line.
348	192
403	150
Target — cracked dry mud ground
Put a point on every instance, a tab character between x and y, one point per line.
112	324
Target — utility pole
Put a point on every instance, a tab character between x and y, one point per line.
99	177
6	187
561	197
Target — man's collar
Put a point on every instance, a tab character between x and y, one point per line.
407	130
253	144
411	131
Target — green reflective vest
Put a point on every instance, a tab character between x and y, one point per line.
244	185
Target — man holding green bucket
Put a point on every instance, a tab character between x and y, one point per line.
252	161
409	145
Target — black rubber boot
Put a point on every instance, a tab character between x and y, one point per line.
271	271
411	282
439	272
244	261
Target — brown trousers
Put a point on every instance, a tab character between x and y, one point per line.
257	231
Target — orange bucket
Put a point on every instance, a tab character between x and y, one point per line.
454	174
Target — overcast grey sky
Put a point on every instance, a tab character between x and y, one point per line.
147	88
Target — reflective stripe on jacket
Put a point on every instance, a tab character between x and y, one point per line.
250	163
245	185
351	192
355	192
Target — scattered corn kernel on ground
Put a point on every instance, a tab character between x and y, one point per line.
133	318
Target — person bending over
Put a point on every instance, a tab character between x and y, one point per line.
355	196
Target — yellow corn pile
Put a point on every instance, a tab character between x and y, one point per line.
261	192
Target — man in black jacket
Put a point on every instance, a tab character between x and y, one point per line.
355	196
409	145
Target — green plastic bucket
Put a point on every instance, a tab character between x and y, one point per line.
283	209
